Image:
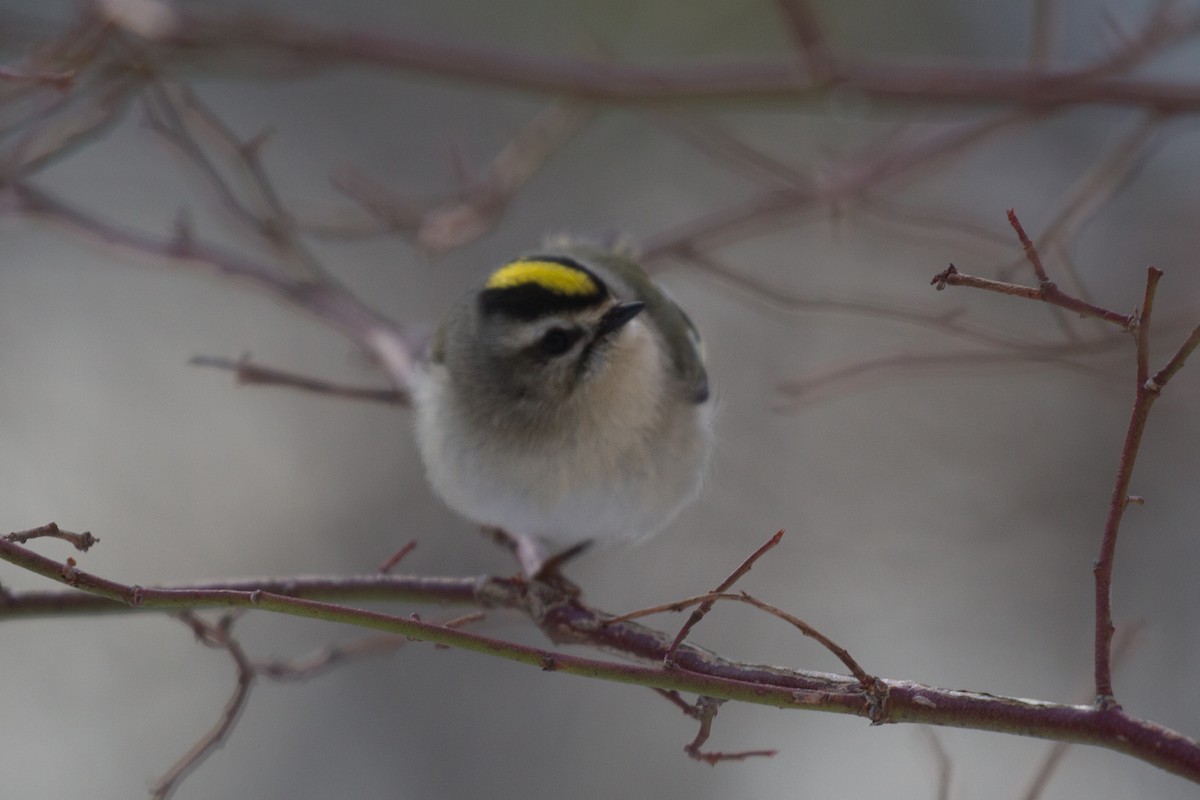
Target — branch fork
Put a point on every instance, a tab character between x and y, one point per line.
1147	390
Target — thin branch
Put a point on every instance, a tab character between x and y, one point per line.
182	119
455	222
1092	191
867	169
1047	293
471	591
311	666
80	541
842	653
1144	398
213	636
825	385
928	224
67	123
398	556
219	636
707	605
1031	253
307	667
850	376
944	764
594	80
1045	13
710	598
1164	27
705	711
565	620
1058	751
57	80
391	344
1142	337
488	196
726	149
676	700
275	223
1176	363
247	373
806	29
1147	391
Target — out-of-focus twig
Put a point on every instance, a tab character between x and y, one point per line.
809	35
945	766
58	80
248	373
451	223
603	81
391	345
218	636
870	168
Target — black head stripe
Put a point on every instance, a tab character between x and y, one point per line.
529	288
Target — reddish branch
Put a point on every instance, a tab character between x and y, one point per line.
567	621
784	80
705	711
707	600
1047	293
81	541
389	343
856	176
217	636
1057	752
247	373
1146	391
706	605
57	80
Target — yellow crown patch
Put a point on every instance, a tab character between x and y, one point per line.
550	275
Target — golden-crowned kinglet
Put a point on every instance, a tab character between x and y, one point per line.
565	400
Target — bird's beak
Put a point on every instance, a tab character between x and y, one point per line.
617	316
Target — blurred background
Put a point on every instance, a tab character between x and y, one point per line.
941	461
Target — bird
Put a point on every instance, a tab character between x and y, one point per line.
565	401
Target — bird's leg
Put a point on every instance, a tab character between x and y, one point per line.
537	562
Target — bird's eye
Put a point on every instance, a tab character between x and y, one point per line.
557	341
